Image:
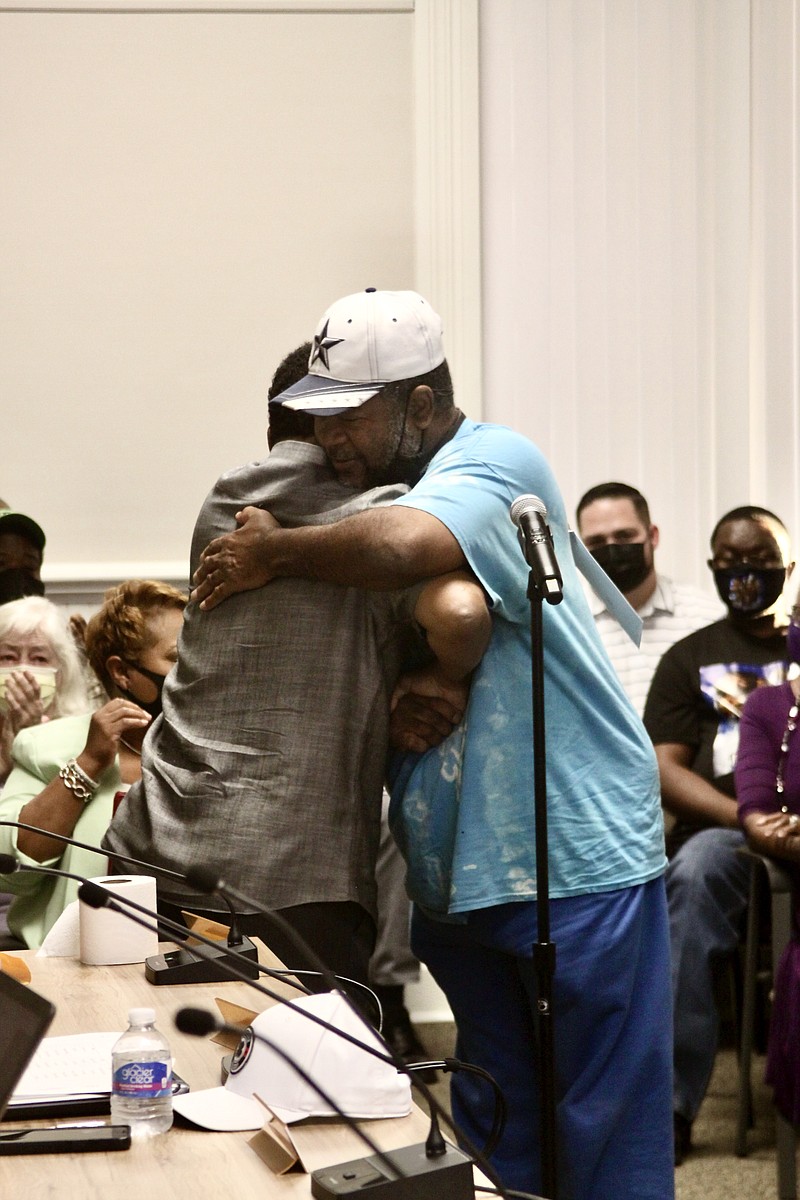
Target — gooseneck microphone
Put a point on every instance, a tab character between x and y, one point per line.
182	966
207	952
96	896
235	939
205	879
426	1170
529	514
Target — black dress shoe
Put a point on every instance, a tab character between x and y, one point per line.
682	1127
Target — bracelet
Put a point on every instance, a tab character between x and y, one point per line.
77	781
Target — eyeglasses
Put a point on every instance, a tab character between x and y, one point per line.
730	562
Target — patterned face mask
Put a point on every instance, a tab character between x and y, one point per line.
749	590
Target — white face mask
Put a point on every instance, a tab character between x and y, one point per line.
45	677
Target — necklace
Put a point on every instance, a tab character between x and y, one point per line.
791	725
138	753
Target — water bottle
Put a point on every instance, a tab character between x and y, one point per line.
141	1077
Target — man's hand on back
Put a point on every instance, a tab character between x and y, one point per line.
235	562
425	709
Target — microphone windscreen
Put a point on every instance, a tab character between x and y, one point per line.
8	864
196	1021
94	896
202	878
524	504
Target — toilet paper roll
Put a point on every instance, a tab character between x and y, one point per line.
108	937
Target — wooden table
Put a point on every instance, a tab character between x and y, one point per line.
183	1162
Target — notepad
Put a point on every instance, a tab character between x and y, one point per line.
71	1065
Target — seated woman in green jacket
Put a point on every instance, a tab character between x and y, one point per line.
66	773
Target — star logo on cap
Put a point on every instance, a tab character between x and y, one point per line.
322	344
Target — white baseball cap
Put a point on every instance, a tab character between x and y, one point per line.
362	1085
362	343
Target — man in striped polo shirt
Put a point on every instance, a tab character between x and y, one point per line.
614	524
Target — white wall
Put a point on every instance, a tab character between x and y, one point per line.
183	194
608	225
640	253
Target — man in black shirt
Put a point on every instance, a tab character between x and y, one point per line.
692	716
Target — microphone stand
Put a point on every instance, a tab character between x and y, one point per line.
544	951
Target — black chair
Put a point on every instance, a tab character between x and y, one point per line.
778	880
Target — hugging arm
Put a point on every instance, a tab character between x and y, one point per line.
428	703
388	547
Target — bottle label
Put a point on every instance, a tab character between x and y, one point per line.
143	1080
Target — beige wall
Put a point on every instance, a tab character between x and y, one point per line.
183	194
608	225
640	250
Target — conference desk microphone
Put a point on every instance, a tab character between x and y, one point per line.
349	1178
96	896
199	1022
182	965
410	1173
409	1161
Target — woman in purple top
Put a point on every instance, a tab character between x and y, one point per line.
768	791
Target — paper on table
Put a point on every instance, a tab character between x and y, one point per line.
73	1065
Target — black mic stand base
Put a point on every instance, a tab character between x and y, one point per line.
182	966
447	1177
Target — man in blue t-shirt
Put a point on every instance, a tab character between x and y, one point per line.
380	390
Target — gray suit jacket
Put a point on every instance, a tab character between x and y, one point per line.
268	761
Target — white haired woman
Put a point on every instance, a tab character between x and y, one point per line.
41	672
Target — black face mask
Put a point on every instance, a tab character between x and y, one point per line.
16	582
749	590
624	563
153	707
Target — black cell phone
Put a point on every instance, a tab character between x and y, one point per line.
65	1139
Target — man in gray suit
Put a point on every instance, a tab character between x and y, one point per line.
267	764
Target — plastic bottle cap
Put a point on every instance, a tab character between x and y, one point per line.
141	1016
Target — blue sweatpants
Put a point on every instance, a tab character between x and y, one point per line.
612	1018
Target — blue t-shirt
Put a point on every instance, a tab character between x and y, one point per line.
464	812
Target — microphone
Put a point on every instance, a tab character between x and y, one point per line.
203	878
529	515
180	966
208	951
97	896
414	1172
